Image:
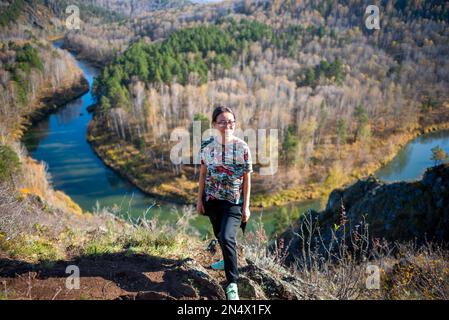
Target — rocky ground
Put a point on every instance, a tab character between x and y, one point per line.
415	211
137	277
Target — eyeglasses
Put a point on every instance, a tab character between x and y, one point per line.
225	123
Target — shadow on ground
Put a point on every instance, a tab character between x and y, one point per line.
108	276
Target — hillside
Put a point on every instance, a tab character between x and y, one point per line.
149	260
393	212
343	98
135	8
34	79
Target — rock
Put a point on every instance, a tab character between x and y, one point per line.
401	211
146	295
357	191
202	279
272	287
250	290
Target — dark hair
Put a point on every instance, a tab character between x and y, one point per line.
219	110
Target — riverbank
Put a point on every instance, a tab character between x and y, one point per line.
72	49
50	103
138	255
33	178
131	163
339	178
34	183
80	56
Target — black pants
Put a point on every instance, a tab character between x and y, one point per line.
226	218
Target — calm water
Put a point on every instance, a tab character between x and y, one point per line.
411	162
60	141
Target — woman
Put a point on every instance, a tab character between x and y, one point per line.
224	190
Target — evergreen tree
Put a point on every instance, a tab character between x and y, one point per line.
290	146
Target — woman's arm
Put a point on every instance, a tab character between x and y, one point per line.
202	180
246	195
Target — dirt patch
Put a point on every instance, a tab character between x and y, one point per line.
110	276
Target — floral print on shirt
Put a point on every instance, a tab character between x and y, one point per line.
226	165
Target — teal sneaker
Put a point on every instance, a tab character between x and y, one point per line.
219	265
232	291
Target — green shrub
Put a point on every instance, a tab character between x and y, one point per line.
9	163
31	248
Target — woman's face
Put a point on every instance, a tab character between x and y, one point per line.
225	123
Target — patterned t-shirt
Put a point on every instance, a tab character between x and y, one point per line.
226	165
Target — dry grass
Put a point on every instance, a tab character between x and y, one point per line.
33	179
33	230
38	223
340	268
142	235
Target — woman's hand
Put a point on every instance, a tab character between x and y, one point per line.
200	206
245	213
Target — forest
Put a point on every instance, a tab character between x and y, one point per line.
30	71
345	100
338	93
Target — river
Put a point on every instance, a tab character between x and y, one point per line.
60	141
413	159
